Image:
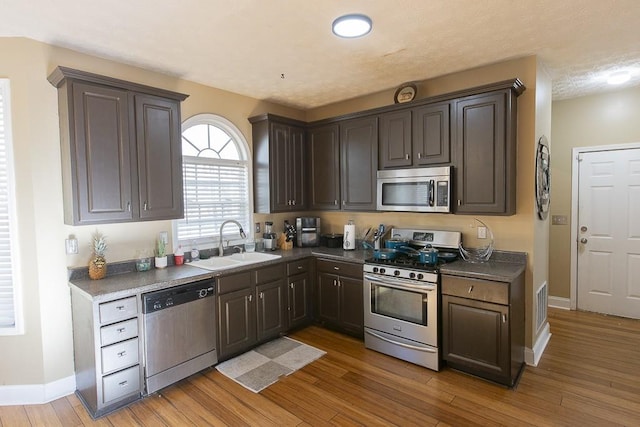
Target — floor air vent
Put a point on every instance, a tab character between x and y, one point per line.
541	310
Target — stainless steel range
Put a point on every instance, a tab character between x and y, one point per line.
401	299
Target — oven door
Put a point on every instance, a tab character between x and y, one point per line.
402	307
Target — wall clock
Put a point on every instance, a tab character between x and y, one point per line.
543	177
405	93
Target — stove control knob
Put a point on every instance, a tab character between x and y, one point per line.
412	275
420	276
375	269
382	271
396	273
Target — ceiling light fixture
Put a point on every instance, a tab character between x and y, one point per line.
351	26
619	77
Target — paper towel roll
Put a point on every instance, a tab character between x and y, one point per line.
349	241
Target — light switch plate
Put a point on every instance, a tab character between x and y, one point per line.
71	246
482	232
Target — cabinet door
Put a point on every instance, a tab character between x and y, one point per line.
100	157
359	163
395	139
481	173
475	337
328	298
352	305
299	293
297	170
236	321
159	157
431	136
324	165
270	309
278	170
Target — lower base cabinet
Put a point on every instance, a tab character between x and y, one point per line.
107	352
340	296
299	294
483	327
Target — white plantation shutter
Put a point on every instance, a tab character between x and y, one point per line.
10	319
216	181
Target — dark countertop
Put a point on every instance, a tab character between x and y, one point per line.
125	281
501	267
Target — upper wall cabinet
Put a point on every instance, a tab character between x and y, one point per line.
279	160
415	137
485	144
324	167
121	155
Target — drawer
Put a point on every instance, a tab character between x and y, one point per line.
340	268
118	310
121	384
234	282
119	331
481	290
297	267
120	355
269	274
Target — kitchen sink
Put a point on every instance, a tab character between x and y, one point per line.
235	260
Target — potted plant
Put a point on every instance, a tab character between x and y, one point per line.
98	264
161	254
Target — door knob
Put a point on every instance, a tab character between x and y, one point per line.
583	229
583	240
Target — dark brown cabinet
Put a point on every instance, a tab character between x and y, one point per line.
121	154
359	163
343	165
415	137
299	293
486	153
251	309
340	296
279	160
324	167
483	327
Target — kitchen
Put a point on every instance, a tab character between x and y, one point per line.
48	314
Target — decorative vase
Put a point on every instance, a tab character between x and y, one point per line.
97	268
161	261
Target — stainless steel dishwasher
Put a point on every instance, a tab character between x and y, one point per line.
179	332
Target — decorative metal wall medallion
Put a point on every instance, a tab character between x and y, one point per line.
543	177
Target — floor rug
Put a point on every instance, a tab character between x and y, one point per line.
264	365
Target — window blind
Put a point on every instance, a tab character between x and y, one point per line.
214	191
8	287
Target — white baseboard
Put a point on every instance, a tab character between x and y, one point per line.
35	394
559	302
532	356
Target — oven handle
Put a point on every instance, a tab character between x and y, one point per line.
402	284
401	344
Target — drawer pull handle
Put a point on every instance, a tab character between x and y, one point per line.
291	285
123	383
336	268
261	295
470	289
121	330
120	308
335	282
122	354
299	267
504	318
250	298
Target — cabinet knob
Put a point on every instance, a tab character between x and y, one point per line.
291	285
344	202
293	202
261	295
419	155
406	156
504	318
250	297
144	207
335	202
459	202
470	289
335	282
129	206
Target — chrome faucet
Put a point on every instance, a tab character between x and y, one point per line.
242	234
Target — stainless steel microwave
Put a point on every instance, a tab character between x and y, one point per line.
415	190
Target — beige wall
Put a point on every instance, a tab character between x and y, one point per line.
44	353
606	119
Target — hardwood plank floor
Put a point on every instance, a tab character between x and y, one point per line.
589	375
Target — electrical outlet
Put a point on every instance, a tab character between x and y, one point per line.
71	245
559	220
482	232
257	227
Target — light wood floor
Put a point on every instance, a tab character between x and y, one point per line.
588	376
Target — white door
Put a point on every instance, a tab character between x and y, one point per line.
609	232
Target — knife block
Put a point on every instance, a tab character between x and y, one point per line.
282	242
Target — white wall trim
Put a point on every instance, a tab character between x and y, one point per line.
575	169
560	302
36	394
532	356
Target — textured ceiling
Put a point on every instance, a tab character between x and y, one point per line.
248	46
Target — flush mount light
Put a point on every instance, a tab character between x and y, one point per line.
619	77
350	26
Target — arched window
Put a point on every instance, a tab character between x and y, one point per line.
217	184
